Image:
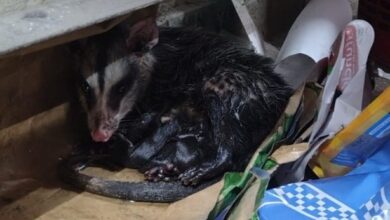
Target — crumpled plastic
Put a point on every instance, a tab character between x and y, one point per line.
364	193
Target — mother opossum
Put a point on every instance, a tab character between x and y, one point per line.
234	94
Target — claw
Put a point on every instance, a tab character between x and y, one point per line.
166	172
80	167
191	177
170	166
194	183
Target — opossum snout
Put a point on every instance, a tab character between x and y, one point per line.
103	128
101	135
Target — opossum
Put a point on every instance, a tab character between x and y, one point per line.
178	143
147	69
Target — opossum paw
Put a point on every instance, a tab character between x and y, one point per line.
192	176
167	172
91	149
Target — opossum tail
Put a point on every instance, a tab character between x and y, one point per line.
142	191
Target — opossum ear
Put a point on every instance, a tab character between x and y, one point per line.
77	45
76	50
143	36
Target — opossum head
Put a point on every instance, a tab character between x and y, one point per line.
115	70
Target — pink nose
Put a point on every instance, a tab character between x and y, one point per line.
100	135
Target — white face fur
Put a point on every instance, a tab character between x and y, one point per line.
115	72
111	93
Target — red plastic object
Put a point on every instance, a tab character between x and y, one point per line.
377	13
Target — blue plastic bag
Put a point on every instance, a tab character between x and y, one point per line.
364	193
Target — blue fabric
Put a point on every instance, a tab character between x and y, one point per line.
361	194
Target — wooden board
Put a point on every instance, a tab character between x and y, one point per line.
41	22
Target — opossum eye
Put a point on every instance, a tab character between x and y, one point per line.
121	89
85	88
88	94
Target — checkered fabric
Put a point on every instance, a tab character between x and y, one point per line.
313	202
377	207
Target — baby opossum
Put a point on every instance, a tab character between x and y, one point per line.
147	69
178	143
